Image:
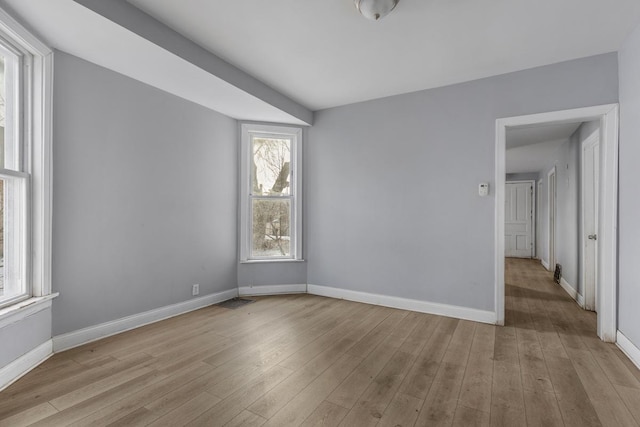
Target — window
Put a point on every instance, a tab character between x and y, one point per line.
25	87
271	206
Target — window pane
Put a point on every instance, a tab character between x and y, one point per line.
3	114
271	158
1	238
271	228
12	238
9	119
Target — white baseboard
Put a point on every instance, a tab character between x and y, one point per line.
272	290
21	366
406	304
545	264
572	292
103	330
628	348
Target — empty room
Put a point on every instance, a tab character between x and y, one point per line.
319	213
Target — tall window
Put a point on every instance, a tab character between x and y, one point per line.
13	181
25	79
271	204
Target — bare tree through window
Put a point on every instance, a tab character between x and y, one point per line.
270	182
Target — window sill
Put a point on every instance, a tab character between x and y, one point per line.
17	312
268	261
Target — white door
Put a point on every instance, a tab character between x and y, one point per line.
518	214
590	200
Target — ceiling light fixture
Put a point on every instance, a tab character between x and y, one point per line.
375	9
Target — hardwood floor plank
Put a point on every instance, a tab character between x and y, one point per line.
466	417
326	414
372	404
402	411
423	372
187	411
507	397
275	399
573	400
303	405
442	400
542	409
29	416
477	382
246	419
109	414
225	410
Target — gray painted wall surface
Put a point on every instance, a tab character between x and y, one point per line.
531	176
145	197
273	273
21	337
391	188
629	202
567	213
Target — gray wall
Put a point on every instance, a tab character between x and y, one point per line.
529	176
21	337
391	188
144	197
629	202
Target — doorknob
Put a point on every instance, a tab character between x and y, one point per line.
592	237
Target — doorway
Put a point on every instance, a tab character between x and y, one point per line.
606	256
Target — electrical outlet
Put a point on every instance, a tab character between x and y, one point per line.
195	290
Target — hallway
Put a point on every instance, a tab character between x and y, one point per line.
567	375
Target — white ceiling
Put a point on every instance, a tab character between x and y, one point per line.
533	148
322	53
71	27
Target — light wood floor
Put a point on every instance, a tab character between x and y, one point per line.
308	360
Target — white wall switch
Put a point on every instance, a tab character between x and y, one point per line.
483	189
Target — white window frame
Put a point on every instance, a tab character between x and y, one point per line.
246	219
36	134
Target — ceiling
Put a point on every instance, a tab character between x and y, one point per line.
322	53
533	148
279	60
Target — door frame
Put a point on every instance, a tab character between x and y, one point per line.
534	208
607	228
552	199
589	295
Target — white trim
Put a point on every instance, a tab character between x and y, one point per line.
22	365
17	312
38	117
573	293
607	275
580	300
103	330
405	304
272	290
545	264
628	348
552	218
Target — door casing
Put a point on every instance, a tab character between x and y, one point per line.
607	227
